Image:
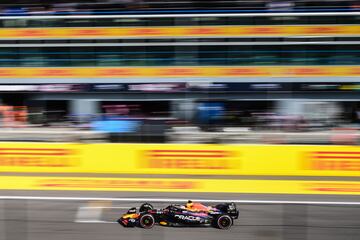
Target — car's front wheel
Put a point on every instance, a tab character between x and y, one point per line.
223	222
147	221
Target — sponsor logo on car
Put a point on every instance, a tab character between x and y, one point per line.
188	218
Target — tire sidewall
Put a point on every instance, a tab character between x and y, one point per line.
218	225
142	225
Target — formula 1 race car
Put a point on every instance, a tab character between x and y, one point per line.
191	214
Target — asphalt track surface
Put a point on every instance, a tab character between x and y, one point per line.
83	220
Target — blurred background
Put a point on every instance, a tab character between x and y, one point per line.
181	71
272	85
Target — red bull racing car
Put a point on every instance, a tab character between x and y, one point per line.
191	214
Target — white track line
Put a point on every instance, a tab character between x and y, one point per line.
170	200
107	207
86	215
94	221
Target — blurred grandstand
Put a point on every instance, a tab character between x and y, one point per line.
137	75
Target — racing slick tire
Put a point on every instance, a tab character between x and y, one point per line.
147	221
223	222
145	207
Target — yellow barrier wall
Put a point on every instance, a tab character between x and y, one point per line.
171	32
181	159
162	72
179	185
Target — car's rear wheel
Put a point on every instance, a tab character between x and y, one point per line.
223	222
147	221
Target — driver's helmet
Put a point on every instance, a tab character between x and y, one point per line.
189	204
197	207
